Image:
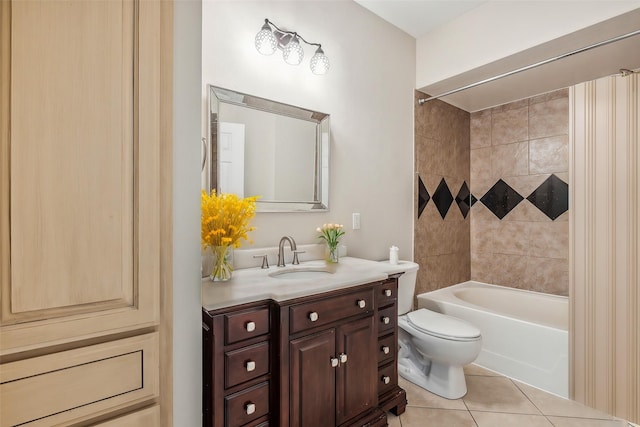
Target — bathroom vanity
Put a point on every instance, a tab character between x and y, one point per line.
318	350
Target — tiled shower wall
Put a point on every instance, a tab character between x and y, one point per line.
442	231
519	170
492	194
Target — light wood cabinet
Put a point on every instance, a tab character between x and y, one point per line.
82	208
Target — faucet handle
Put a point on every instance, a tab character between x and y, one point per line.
265	261
295	257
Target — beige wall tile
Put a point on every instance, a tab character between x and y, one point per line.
511	238
481	212
525	211
510	106
481	267
549	118
480	129
510	126
549	155
510	160
509	270
549	239
549	275
480	164
560	93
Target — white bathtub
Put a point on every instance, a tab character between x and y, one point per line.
524	334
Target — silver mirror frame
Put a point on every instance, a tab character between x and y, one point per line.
320	199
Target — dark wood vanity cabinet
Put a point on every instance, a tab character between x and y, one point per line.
316	361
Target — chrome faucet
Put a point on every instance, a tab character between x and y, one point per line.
294	249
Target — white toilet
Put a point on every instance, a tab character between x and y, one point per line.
433	347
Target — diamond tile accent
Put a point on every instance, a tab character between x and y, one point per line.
472	200
551	197
463	200
442	198
501	199
423	196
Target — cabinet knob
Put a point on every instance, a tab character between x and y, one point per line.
385	349
250	365
313	316
385	379
362	303
343	358
334	362
387	292
250	408
250	326
385	320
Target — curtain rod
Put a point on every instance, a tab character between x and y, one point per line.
528	67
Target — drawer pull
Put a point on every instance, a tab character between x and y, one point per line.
387	292
362	303
385	320
313	316
385	379
343	358
250	408
250	365
385	349
334	362
250	326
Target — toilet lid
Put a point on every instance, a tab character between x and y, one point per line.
441	325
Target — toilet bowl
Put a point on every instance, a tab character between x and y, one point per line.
433	347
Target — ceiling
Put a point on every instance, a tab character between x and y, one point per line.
418	17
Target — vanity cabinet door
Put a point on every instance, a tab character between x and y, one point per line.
83	213
313	365
356	376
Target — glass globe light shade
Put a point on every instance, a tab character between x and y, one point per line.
266	42
293	52
319	62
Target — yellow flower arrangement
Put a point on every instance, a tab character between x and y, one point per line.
225	221
330	233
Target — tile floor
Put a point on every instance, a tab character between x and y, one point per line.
496	401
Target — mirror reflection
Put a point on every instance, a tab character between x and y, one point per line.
262	147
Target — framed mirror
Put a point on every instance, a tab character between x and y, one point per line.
260	147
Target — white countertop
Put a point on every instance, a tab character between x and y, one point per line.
254	284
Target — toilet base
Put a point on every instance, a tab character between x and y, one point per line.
444	380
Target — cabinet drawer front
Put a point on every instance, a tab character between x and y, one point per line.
246	324
53	389
386	293
386	348
246	363
387	378
317	313
247	405
387	319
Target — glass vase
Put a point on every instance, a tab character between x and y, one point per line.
221	269
333	255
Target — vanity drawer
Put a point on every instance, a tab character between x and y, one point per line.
246	364
322	312
386	293
247	405
386	348
246	324
387	378
387	319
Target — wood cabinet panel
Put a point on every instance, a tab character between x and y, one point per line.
357	389
147	417
247	405
312	400
80	236
246	363
64	386
246	324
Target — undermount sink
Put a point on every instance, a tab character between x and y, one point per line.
300	273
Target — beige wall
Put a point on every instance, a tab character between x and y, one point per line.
368	92
442	152
523	144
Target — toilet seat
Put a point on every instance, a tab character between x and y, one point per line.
442	326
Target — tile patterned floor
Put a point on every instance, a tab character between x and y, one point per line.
496	401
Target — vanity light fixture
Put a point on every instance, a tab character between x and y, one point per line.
268	40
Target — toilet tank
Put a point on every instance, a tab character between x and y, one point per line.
406	283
